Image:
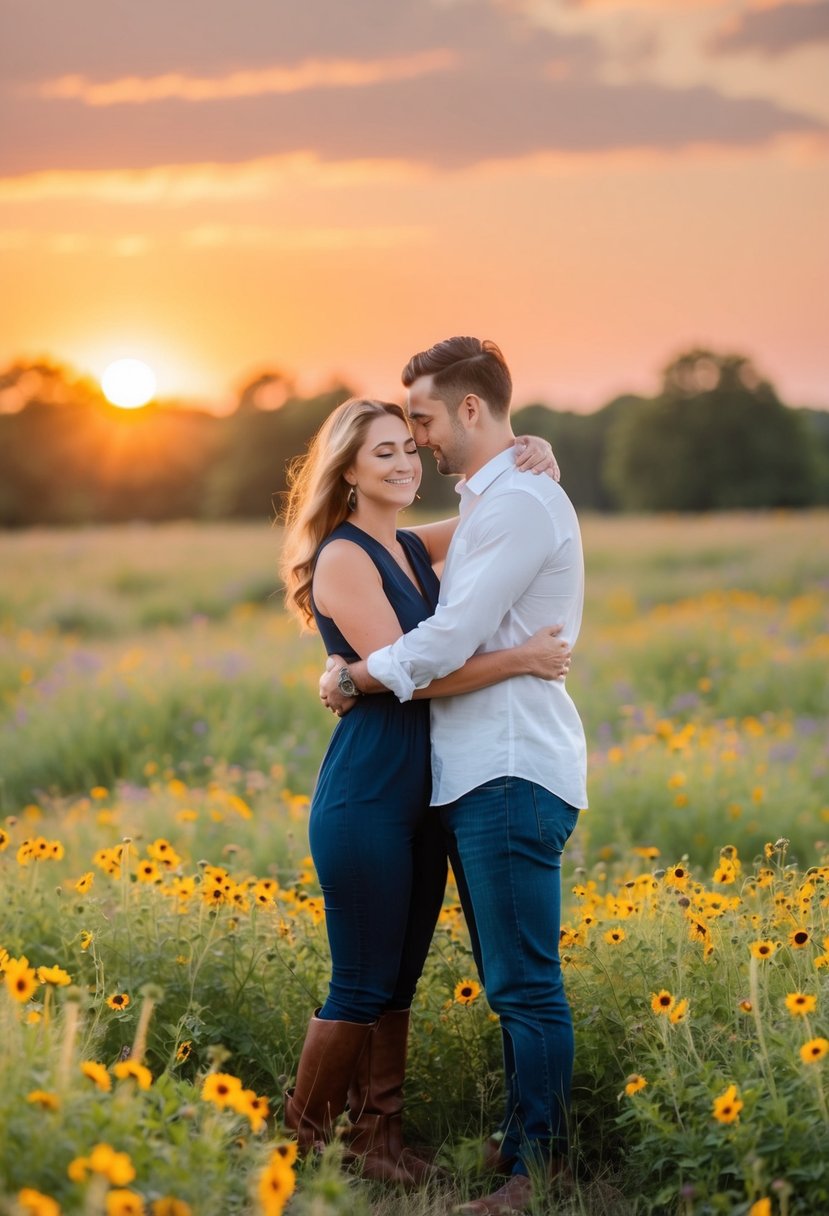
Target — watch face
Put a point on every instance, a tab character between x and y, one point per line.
345	683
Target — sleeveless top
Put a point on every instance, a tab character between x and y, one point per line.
411	604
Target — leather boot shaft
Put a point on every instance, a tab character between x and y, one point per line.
330	1056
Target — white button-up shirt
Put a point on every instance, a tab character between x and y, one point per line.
515	564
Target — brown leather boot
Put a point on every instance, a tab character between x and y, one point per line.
375	1103
330	1055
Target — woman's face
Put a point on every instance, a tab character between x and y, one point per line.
387	469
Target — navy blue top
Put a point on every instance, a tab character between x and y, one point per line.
411	604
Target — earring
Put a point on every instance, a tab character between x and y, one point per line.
351	499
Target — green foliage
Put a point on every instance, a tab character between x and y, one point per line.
191	746
717	438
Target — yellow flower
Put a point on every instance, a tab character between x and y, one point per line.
148	871
125	1069
54	975
33	1203
614	936
118	1000
662	1002
5	840
799	938
727	1107
814	1050
287	1150
800	1003
745	1006
255	1109
761	1208
97	1073
763	949
677	876
20	979
87	939
84	882
115	1166
276	1185
467	991
124	1203
184	1051
679	1011
39	1097
634	1084
222	1089
168	1206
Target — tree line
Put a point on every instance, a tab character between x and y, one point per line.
716	437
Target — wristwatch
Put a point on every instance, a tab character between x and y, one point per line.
346	685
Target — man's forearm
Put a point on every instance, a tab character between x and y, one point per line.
363	678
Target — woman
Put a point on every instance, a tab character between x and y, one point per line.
377	846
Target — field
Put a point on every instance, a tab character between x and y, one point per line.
161	928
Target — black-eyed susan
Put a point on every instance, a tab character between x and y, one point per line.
124	1203
44	1099
126	1070
276	1185
814	1050
801	1003
677	876
35	1203
635	1083
97	1073
222	1089
169	1206
467	991
54	975
87	939
20	979
662	1002
148	871
761	1207
799	938
184	1051
679	1012
118	1000
5	840
762	950
726	1108
615	936
82	884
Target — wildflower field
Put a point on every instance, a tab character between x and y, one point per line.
162	940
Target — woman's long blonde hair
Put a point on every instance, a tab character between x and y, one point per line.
317	499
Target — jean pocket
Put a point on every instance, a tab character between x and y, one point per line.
556	820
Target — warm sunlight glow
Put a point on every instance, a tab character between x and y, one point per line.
128	383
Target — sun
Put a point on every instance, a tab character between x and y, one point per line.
128	383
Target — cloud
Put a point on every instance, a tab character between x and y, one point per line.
309	74
436	83
774	30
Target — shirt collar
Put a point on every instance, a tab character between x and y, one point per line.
490	472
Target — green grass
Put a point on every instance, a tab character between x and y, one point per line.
151	689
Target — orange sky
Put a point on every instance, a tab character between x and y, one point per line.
326	188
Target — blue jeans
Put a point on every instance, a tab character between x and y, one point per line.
505	844
380	854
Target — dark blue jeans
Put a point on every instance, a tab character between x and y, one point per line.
380	855
505	844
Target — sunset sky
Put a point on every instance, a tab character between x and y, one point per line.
219	187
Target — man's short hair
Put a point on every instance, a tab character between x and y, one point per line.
464	365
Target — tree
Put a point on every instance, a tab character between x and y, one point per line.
716	438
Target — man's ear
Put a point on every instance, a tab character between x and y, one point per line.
470	409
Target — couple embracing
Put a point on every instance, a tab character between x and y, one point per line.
456	737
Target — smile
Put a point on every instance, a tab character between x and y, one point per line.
399	481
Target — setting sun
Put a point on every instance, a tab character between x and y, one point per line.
128	383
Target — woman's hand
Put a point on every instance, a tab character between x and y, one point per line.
330	694
535	455
546	654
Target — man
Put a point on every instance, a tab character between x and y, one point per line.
508	761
